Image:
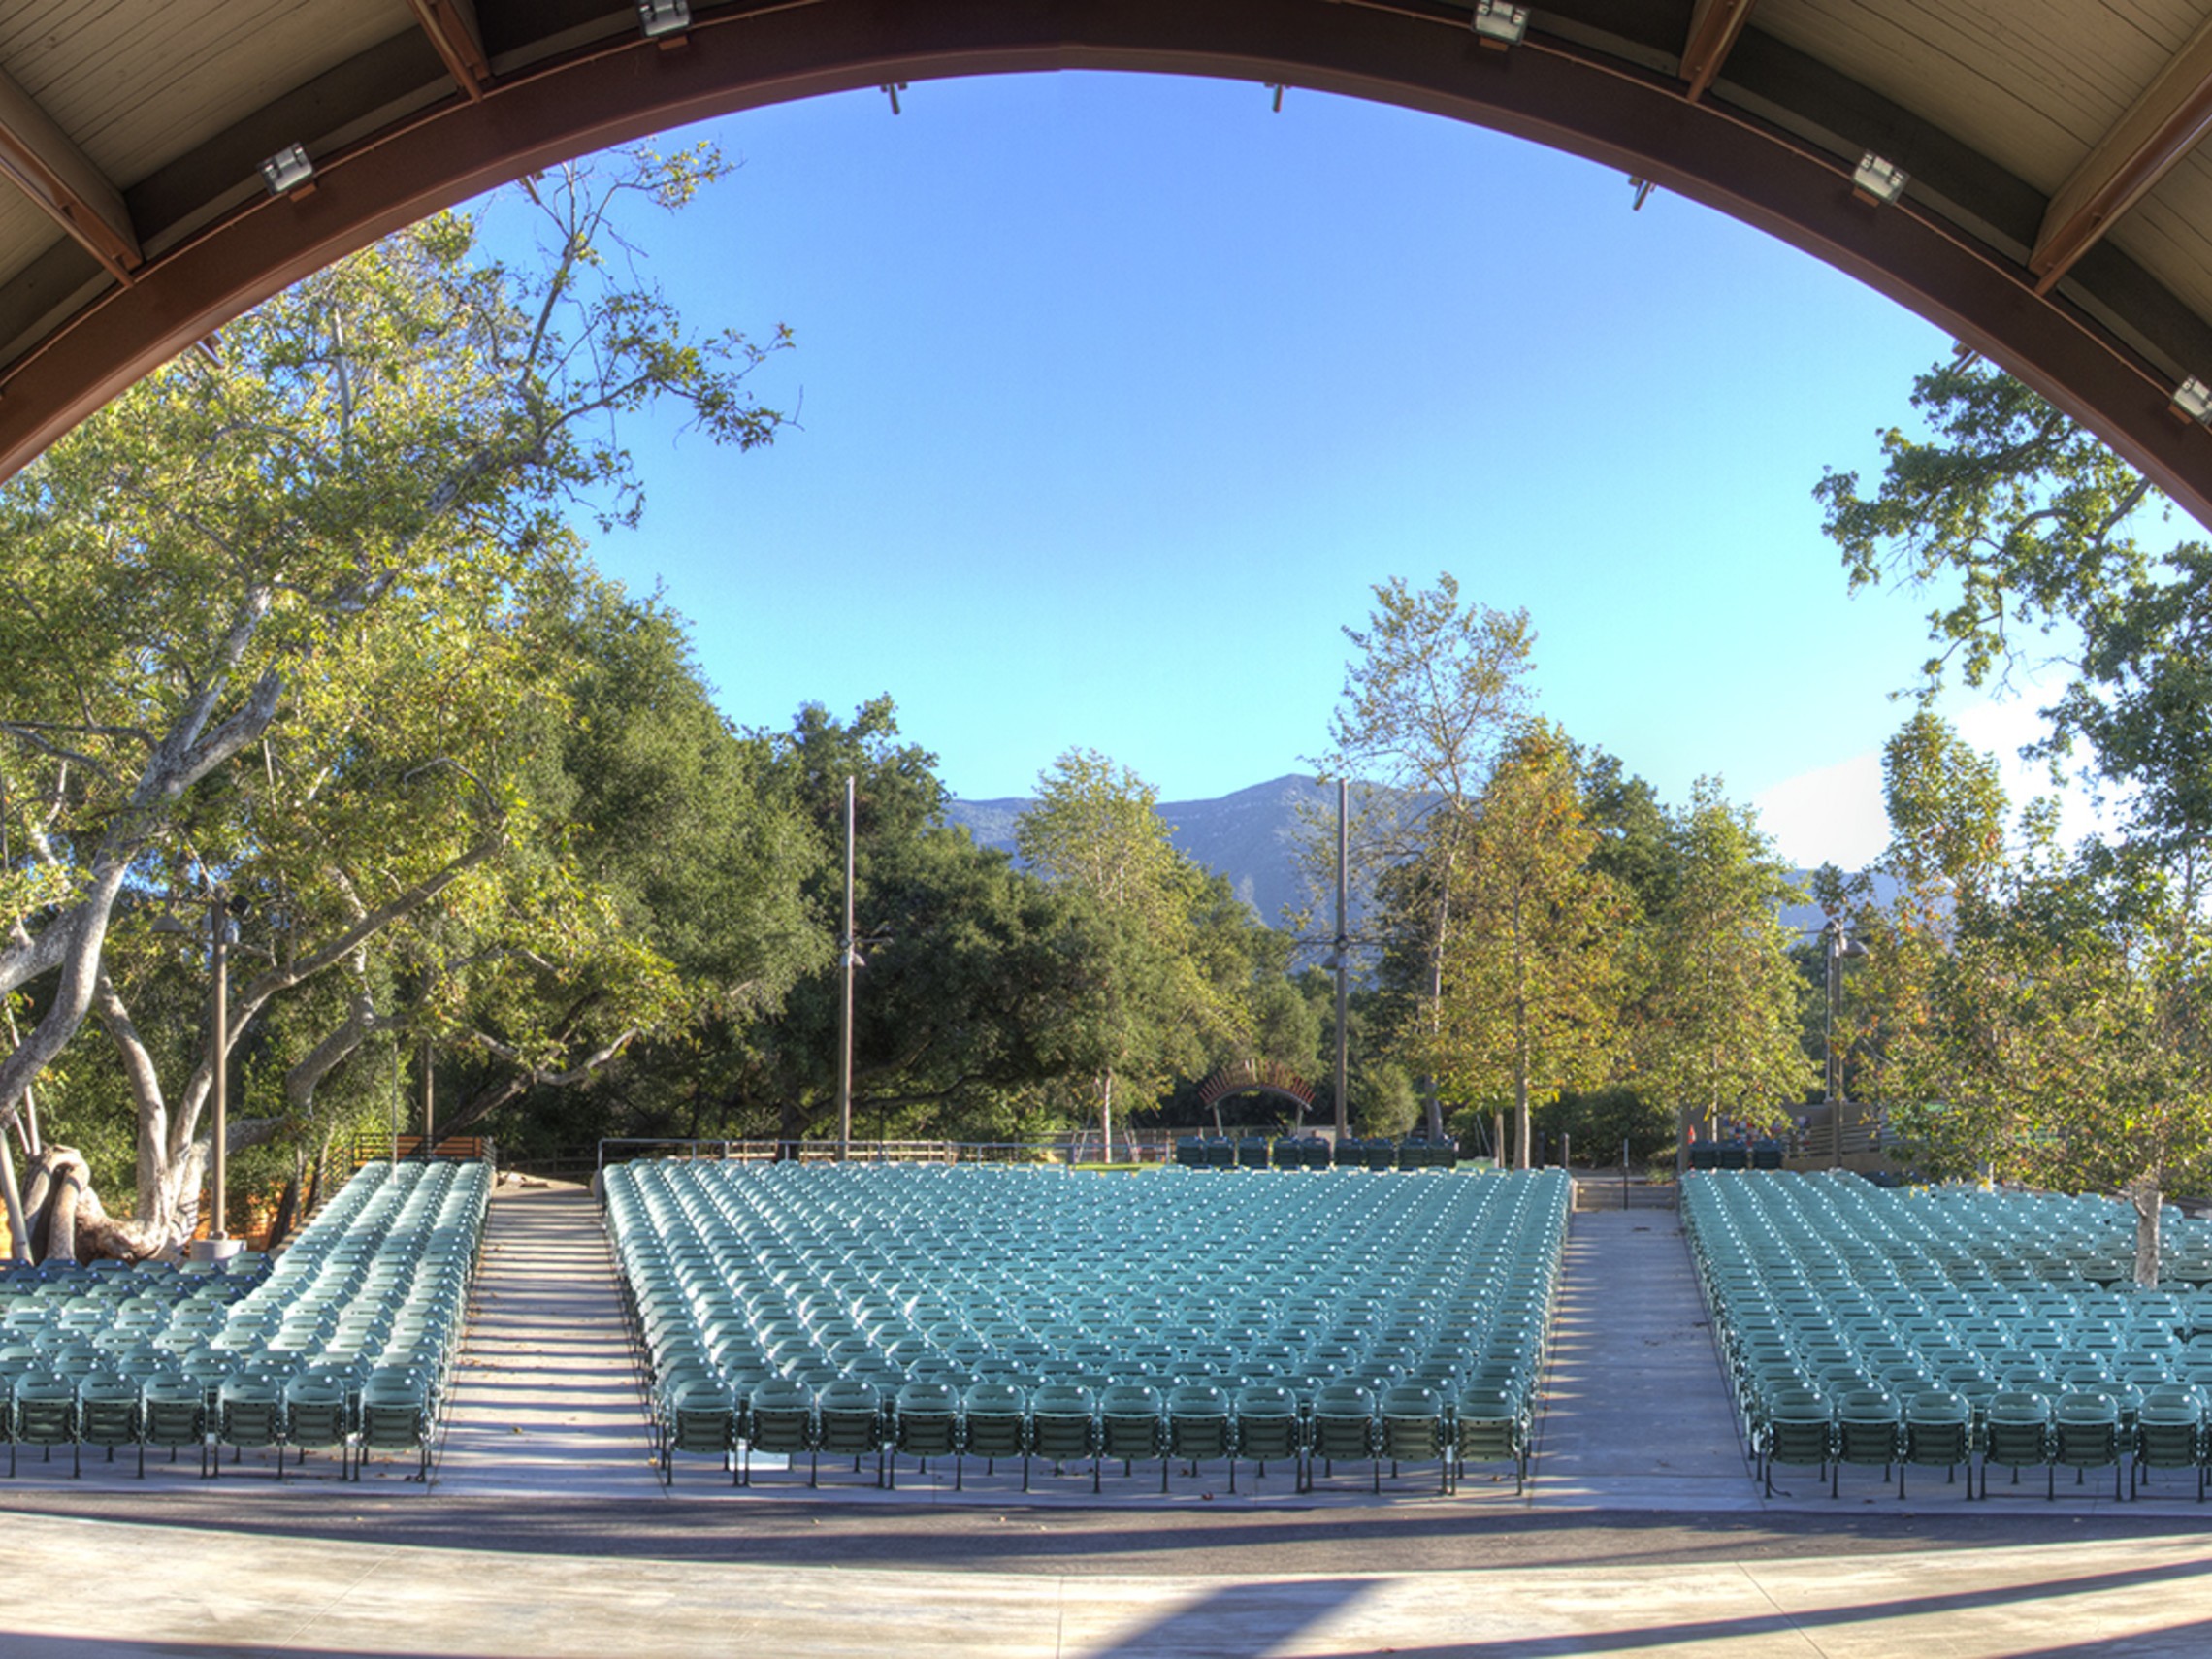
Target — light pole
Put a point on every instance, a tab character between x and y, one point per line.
848	958
1342	960
223	908
1840	948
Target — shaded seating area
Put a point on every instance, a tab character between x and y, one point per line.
343	1343
1314	1152
1867	1327
1076	1324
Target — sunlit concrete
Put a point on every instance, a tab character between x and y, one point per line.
135	1590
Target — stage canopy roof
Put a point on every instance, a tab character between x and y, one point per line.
2026	174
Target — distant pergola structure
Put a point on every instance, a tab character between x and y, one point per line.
1257	1077
2025	173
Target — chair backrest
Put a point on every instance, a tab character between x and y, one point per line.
2019	1407
2089	1408
1197	1400
850	1394
1412	1400
931	1397
1130	1400
1266	1400
1344	1400
1933	1407
1058	1400
995	1399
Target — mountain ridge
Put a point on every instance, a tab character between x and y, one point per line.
1249	837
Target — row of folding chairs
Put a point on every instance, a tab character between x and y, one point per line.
1130	1423
734	1278
345	1342
322	1407
2085	1430
1827	1289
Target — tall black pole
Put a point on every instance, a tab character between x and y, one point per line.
1343	960
1833	1086
218	926
845	957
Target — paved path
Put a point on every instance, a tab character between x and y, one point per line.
545	1396
1637	1414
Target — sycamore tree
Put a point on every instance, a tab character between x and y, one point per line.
1719	1028
1534	956
2031	536
277	596
1436	688
1156	996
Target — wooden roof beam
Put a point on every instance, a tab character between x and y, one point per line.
1714	25
452	28
47	165
2163	125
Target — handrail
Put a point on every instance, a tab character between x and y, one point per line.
1136	1149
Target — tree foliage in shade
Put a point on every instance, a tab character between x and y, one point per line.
972	990
2060	1024
1163	983
1533	960
281	598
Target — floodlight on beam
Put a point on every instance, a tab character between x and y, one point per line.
1499	24
2193	401
658	20
1878	181
288	171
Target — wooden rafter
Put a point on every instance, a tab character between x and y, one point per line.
2163	125
48	166
451	25
1714	25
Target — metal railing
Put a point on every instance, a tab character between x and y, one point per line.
1132	1151
378	1148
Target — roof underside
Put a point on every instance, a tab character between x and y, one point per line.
2057	216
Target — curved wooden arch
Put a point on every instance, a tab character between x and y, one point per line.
1255	1076
1416	53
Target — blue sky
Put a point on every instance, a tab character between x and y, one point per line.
1119	394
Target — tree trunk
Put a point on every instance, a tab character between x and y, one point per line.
18	1229
1521	1135
1106	1118
35	1197
2144	1193
61	1225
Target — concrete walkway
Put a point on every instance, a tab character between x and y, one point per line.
134	1593
1635	1410
545	1396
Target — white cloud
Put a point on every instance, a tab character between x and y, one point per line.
1833	813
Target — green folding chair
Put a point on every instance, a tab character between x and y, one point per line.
996	1424
1938	1432
110	1412
1200	1427
926	1423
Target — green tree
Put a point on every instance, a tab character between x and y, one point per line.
2030	531
1720	1026
1158	996
1533	983
1435	690
330	516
